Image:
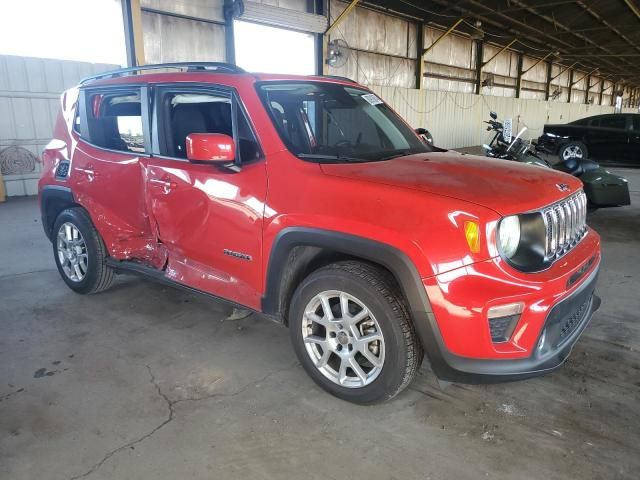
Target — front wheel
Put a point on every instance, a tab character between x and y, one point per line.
352	333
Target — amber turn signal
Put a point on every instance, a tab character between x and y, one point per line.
472	232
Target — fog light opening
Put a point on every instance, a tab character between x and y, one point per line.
503	320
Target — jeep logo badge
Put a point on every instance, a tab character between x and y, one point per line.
563	187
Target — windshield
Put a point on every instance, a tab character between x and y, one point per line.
323	121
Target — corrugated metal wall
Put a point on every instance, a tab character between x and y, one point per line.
383	48
29	94
455	118
169	38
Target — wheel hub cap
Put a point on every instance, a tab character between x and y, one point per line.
343	339
72	252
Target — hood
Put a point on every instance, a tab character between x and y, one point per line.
506	187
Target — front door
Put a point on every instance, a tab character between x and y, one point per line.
608	137
209	218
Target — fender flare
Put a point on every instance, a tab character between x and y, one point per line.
391	258
53	199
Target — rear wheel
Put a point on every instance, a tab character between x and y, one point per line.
79	252
351	331
573	151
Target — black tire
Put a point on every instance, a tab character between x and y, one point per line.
98	276
378	290
573	144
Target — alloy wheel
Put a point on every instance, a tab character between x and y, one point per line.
72	252
343	339
573	151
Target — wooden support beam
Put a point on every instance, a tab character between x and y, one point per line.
437	40
587	90
601	91
341	17
570	86
499	52
229	37
419	55
613	94
519	77
536	63
479	64
564	70
132	20
319	9
547	85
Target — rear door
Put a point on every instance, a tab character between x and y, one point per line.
208	217
113	142
608	137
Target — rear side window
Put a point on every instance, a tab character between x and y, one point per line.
614	121
186	111
114	120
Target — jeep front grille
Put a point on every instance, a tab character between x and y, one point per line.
565	224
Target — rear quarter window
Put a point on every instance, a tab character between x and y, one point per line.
114	120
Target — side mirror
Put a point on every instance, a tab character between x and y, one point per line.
424	135
493	115
210	148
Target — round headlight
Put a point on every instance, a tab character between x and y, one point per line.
509	235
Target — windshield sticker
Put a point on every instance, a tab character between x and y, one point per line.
372	99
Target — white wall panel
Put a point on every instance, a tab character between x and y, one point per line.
380	45
29	96
455	119
172	39
204	9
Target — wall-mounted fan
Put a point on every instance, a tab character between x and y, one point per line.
337	53
556	94
488	81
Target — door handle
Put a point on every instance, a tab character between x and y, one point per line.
88	171
165	184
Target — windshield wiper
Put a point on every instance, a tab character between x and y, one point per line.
332	158
395	154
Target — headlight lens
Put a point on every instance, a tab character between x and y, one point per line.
509	235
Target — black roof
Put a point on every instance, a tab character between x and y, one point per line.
596	34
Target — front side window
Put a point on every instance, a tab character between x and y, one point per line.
330	122
614	121
115	120
185	112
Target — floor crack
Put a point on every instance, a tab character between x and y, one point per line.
170	405
171	413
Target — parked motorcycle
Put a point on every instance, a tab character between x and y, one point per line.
603	188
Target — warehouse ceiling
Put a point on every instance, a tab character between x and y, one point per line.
601	36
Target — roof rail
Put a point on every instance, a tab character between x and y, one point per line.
188	66
338	77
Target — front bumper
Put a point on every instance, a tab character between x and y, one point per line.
563	326
557	306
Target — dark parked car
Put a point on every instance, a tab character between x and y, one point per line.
614	138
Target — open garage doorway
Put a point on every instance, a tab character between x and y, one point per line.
266	49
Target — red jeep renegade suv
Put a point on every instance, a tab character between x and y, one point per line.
309	200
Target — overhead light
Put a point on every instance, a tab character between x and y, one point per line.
477	33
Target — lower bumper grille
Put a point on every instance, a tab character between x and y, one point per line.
574	320
567	317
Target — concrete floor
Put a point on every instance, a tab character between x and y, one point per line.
144	381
